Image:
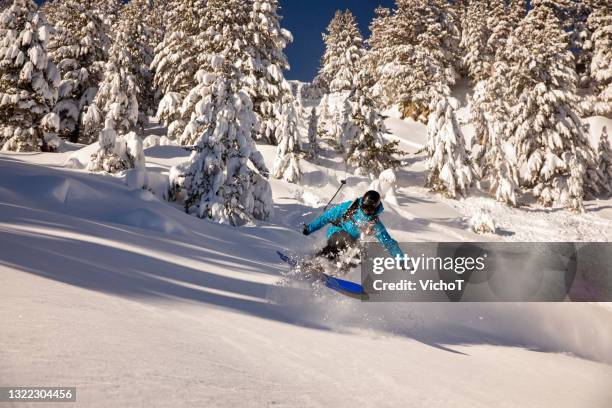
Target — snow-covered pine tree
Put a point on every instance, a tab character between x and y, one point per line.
575	183
266	42
115	107
140	37
600	24
177	58
366	149
4	4
541	105
287	162
28	79
475	33
116	152
482	222
156	12
108	12
579	35
50	126
156	24
217	182
413	52
313	142
460	8
324	115
340	111
517	10
493	157
299	105
450	170
377	46
77	46
604	161
333	29
500	25
344	50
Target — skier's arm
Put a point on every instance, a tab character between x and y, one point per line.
389	243
328	216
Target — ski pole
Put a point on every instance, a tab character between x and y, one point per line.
342	183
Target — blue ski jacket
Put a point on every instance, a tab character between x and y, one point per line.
359	222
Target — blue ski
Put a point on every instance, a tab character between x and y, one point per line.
345	287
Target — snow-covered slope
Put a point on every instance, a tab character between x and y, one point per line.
137	304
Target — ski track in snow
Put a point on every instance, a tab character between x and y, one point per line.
131	300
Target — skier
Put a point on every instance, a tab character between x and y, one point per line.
349	220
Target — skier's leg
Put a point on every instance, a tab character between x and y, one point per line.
338	242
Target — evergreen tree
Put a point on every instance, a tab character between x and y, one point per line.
286	163
378	45
116	104
28	80
339	112
140	37
108	12
604	165
177	58
600	24
493	158
155	21
4	4
540	104
413	51
579	35
461	10
517	11
475	33
344	50
449	168
116	152
500	24
366	149
217	182
313	128
50	125
266	42
77	46
324	115
575	182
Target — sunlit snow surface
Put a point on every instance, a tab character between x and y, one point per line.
121	294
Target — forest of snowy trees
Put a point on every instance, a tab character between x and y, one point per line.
212	72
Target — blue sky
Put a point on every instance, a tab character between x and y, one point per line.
307	19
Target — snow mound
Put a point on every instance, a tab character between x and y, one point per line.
147	219
80	158
52	189
156	140
482	222
157	183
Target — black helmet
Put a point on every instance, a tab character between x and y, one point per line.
370	202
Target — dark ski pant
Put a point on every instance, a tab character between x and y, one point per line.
338	242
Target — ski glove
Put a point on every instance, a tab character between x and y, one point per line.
305	229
